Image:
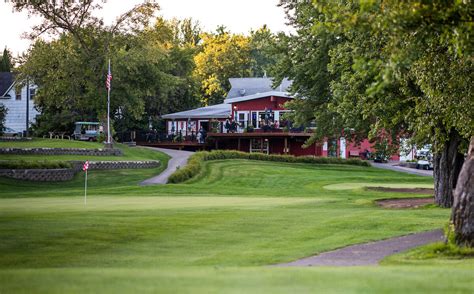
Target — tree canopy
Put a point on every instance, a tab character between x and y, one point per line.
224	55
385	68
151	66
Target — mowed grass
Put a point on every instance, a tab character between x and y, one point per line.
50	143
129	153
220	232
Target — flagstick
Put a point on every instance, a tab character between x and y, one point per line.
85	191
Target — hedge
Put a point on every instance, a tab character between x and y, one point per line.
195	162
22	164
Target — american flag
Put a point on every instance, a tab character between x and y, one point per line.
85	167
109	78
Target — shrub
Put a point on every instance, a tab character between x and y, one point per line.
21	164
195	162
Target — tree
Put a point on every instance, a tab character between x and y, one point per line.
383	69
223	56
463	208
151	65
262	53
6	61
3	114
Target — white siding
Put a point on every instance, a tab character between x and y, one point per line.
16	116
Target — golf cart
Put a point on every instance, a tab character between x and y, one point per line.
425	158
86	131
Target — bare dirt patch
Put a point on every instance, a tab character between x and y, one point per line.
404	202
403	190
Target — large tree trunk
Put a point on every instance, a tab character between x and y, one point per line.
447	164
463	208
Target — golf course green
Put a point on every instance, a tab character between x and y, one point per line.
219	232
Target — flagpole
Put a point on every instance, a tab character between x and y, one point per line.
85	191
108	111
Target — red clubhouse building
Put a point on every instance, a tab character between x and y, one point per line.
251	119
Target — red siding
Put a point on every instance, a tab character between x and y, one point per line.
365	145
261	104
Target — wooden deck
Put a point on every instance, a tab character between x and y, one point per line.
259	135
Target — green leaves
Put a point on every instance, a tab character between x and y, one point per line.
391	67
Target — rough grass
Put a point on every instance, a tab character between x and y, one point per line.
196	162
216	233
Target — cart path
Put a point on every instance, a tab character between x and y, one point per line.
394	166
369	253
178	158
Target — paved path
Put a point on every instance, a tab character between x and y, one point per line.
178	158
369	253
395	167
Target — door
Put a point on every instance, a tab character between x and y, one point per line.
242	119
204	124
342	149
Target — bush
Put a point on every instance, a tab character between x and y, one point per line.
195	162
21	164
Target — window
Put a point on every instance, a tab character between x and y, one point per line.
32	93
18	96
259	145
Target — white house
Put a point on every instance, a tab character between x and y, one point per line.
17	103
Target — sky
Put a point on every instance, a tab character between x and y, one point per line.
239	16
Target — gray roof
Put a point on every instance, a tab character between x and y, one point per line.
6	80
250	86
255	88
258	95
214	111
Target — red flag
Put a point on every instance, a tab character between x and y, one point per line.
85	166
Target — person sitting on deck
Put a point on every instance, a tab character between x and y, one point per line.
202	135
227	125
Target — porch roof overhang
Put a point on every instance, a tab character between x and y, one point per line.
258	96
213	111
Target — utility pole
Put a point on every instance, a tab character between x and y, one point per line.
27	106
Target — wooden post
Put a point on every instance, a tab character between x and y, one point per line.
238	145
286	146
217	144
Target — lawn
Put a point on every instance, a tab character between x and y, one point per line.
50	143
134	153
219	232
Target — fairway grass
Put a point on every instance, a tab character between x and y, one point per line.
393	279
76	204
219	232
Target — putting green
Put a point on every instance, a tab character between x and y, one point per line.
140	203
351	186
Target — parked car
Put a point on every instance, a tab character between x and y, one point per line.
9	132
